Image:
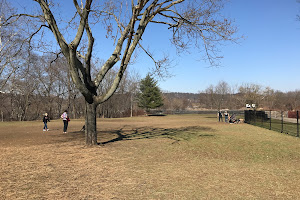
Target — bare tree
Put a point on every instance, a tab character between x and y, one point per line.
222	91
252	93
191	22
119	103
293	100
268	99
13	43
133	88
210	96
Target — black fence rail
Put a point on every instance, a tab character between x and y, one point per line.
273	120
181	112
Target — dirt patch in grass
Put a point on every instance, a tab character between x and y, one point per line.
170	157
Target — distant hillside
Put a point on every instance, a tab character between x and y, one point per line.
189	96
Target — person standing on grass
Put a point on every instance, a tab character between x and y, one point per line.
220	116
226	114
45	120
65	118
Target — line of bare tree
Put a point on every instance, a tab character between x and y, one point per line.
40	85
30	93
223	96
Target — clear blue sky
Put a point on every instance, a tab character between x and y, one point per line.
269	55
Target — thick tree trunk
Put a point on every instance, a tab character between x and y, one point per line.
90	124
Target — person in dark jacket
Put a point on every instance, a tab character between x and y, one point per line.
220	116
45	120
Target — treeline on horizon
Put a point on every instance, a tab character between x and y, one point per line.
41	84
223	96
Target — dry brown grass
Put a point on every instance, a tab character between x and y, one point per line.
171	157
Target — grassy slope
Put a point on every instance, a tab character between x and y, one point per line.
172	157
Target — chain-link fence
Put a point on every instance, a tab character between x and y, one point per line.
274	120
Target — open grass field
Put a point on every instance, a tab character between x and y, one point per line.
170	157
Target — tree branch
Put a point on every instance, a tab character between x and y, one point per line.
83	21
8	22
53	26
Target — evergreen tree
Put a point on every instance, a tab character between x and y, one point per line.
150	96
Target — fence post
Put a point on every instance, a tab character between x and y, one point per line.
281	121
262	118
255	116
297	123
270	120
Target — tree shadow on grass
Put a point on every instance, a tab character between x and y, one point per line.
126	133
176	134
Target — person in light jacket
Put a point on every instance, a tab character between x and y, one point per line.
226	114
65	119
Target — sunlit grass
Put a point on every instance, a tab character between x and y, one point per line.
170	157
